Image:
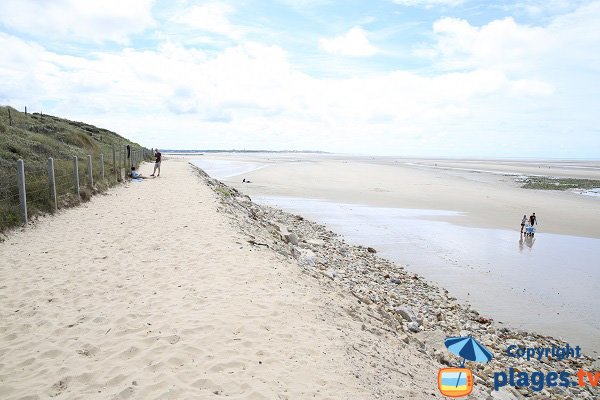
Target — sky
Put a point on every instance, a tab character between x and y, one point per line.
430	78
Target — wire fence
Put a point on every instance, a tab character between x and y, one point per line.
33	188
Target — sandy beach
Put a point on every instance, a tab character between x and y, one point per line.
148	292
485	191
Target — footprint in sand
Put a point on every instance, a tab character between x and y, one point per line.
58	387
230	366
130	353
87	351
173	339
207	384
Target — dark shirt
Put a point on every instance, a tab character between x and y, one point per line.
157	155
532	220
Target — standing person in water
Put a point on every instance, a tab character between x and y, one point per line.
157	163
532	219
523	222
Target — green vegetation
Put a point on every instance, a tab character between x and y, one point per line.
222	192
34	138
547	183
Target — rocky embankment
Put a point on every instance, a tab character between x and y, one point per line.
416	312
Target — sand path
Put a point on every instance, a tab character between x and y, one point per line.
148	292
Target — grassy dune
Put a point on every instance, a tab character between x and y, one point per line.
34	138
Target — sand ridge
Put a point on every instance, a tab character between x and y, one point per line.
148	292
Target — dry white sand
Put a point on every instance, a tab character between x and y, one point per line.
149	293
479	189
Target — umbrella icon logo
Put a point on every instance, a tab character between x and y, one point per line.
458	382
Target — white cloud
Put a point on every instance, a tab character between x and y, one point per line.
524	87
537	8
568	41
210	17
74	20
429	3
502	44
502	82
352	43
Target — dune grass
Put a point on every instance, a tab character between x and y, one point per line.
34	138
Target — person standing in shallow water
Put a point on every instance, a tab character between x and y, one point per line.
532	219
523	222
157	163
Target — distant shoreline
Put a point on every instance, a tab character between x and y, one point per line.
388	157
195	152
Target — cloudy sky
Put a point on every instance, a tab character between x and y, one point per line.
391	77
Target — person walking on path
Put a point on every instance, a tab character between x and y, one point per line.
523	222
157	163
532	219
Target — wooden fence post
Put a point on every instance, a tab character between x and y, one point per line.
114	162
25	110
22	193
90	172
101	166
9	117
76	176
52	184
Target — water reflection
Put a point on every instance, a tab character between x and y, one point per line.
526	240
529	241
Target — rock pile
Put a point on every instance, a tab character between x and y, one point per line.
418	313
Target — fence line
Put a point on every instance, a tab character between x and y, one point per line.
42	188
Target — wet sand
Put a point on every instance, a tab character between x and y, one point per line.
489	199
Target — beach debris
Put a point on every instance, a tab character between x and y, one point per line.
371	250
291	238
253	242
483	320
406	313
413	327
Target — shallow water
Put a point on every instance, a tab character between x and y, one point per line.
548	283
220	169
